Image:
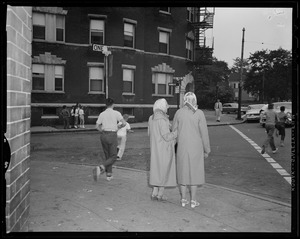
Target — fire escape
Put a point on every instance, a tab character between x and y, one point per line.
201	21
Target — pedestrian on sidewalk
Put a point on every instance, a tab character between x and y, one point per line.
193	147
66	116
122	136
218	109
271	119
107	124
280	125
81	116
75	115
162	159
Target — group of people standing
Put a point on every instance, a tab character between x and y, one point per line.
75	117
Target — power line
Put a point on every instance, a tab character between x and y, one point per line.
266	43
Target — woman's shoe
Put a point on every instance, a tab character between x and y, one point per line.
153	197
194	204
161	198
184	202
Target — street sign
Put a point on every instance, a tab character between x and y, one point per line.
97	47
172	84
177	89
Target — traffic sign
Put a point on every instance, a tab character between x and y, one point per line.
97	47
176	89
172	84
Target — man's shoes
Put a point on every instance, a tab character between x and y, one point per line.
96	173
263	150
109	178
275	151
118	158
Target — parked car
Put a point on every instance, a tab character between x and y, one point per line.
277	105
253	112
233	108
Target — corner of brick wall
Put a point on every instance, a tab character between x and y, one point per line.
19	38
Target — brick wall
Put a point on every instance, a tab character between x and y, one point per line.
19	37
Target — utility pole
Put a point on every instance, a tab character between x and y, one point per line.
241	79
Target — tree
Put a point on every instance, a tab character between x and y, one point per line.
270	75
237	65
212	83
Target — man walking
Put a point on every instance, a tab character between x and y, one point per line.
107	124
271	119
218	109
66	115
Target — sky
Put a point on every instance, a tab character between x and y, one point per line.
265	28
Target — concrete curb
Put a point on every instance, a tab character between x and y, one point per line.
133	127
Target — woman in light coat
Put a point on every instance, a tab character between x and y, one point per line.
193	147
162	159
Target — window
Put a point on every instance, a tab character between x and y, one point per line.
38	77
189	49
60	28
160	84
165	9
97	31
53	80
96	74
59	78
129	35
49	27
39	25
128	111
164	42
49	111
128	80
190	14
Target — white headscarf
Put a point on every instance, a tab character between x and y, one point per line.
190	100
161	104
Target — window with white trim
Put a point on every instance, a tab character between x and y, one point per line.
165	10
59	78
39	26
97	31
96	79
49	78
190	14
164	42
160	84
129	34
128	80
189	45
49	27
38	77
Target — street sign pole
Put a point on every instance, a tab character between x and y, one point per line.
106	52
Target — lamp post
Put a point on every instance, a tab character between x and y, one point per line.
241	79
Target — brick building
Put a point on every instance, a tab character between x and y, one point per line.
145	49
18	31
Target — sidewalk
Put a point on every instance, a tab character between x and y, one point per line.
226	119
64	197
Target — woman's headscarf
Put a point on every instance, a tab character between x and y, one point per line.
161	104
190	100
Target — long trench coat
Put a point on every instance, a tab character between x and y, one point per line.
193	142
162	159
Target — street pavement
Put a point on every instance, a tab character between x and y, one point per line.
65	198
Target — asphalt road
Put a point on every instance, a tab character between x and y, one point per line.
233	162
